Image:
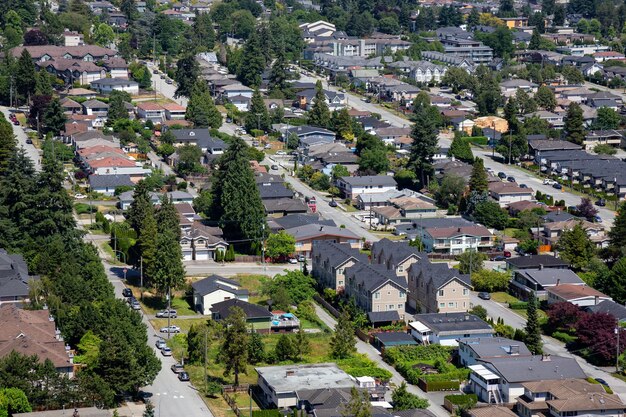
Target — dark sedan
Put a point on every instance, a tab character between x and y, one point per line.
183	376
484	296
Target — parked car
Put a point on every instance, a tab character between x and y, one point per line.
332	203
506	254
510	179
155	71
168	81
293	261
301	258
501	175
177	368
557	186
548	181
167	313
166	351
597	219
160	344
281	153
274	167
601	202
523	186
484	296
170	329
17	123
29	141
79	196
500	258
135	305
183	376
127	292
131	299
268	146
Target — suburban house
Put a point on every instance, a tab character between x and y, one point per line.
537	281
106	184
280	385
436	288
602	137
506	193
330	261
174	111
214	289
106	85
510	87
471	349
535	262
610	307
14	278
352	187
447	328
148	110
568	397
396	256
198	137
82	52
453	235
580	295
257	317
552	231
500	380
307	236
33	332
95	108
201	243
310	135
376	288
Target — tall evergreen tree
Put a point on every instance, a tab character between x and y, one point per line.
279	76
186	75
461	149
25	75
545	98
147	239
478	181
167	269
617	233
140	206
425	143
237	203
7	144
319	115
201	110
167	217
234	349
252	62
342	124
117	107
342	343
535	40
575	247
533	332
54	118
573	128
257	117
203	34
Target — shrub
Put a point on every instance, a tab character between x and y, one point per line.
518	305
464	401
443	385
478	140
266	413
82	208
416	354
564	337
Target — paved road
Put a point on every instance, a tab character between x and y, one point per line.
550	345
170	396
31	151
199	268
436	399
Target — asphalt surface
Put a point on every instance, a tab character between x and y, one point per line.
20	135
170	397
200	268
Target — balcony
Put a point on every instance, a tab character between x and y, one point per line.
282	321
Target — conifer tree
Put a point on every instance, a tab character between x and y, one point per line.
342	343
201	110
258	116
425	142
7	144
319	115
234	349
478	180
574	129
533	332
252	62
54	119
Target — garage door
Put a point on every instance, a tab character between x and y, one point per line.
187	256
202	255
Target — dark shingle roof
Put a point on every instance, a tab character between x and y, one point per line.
215	282
273	191
390	337
252	311
296	220
383	316
369	180
450	323
611	307
373	277
337	253
111	181
533	368
534	261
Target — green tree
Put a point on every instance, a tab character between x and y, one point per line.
285	349
13	401
339	171
203	34
201	110
358	406
342	342
404	400
252	63
279	76
575	247
604	149
478	181
614	283
196	343
319	181
258	116
572	74
187	71
256	348
532	329
117	107
301	344
147	240
104	35
149	410
490	281
525	103
607	119
234	347
54	118
457	78
535	40
617	234
490	214
237	203
280	244
319	115
168	270
461	150
573	128
7	144
545	98
189	160
450	191
299	287
425	143
471	261
25	76
374	161
342	124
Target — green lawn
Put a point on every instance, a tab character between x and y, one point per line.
510	231
349	208
184	324
152	304
502	297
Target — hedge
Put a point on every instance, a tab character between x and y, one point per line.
460	374
478	140
564	337
518	305
465	401
443	385
82	208
415	354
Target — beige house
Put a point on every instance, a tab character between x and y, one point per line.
437	288
308	235
330	261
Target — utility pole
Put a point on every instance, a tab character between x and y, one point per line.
370	212
263	246
617	329
206	386
169	305
510	144
141	275
11	93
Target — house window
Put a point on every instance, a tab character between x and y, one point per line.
451	304
299	244
400	268
402	294
377	295
442	305
391	307
399	306
440	293
340	283
465	292
340	271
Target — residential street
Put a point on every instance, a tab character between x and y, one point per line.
169	396
31	151
435	398
205	268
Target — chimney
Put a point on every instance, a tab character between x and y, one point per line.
545	357
321	228
459	230
514	349
558	281
290	373
596	300
541	267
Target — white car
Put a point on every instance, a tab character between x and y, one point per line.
548	181
160	344
170	329
281	153
79	196
166	351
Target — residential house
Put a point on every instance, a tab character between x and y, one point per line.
72	38
453	235
471	349
307	236
198	137
96	108
552	231
610	307
352	187
447	328
506	193
257	317
177	197
310	135
106	85
537	281
401	209
72	70
70	106
116	67
126	198
567	397
231	90
602	137
82	52
174	111
535	262
467	49
334	100
214	289
33	333
14	278
436	288
201	243
580	295
500	380
510	87
554	120
149	110
391	135
106	184
376	288
329	261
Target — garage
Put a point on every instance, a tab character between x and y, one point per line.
202	255
187	256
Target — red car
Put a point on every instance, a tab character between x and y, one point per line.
507	254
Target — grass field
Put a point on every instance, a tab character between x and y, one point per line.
502	297
152	304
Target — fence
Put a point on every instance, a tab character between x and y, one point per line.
232	403
332	310
248	258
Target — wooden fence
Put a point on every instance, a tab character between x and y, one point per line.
228	389
248	258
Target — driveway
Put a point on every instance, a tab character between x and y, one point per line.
435	398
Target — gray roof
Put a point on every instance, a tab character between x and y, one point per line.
439	274
114	81
534	261
310	231
383	316
110	181
395	252
390	337
301	130
452	323
372	277
533	368
291	378
274	191
610	307
551	276
489	347
95	104
222	309
370	180
295	220
557	216
337	253
215	282
179	195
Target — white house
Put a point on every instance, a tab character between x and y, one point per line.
215	289
580	295
106	85
233	90
506	193
352	187
447	328
149	110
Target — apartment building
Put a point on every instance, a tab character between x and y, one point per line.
330	261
